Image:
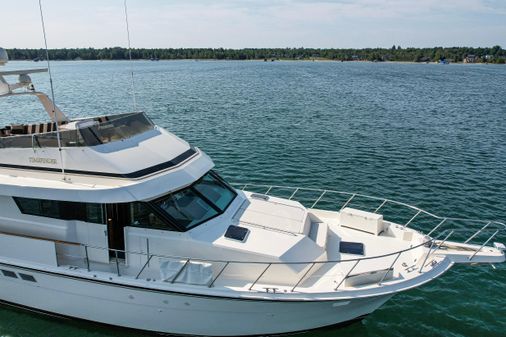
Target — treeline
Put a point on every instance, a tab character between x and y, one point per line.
455	54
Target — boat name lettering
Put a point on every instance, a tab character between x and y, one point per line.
40	160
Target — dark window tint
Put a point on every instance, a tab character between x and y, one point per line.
197	203
64	210
187	208
142	215
215	191
9	273
347	247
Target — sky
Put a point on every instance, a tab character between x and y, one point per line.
255	23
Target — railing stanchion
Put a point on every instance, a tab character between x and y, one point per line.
379	207
410	220
293	194
347	202
389	268
303	276
117	262
483	245
347	274
244	187
87	258
259	277
219	274
478	232
439	225
143	267
180	271
429	253
268	190
319	198
147	250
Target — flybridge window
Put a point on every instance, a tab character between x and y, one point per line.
102	130
208	197
63	210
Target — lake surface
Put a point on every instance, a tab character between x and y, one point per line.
426	134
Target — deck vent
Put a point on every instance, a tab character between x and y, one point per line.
260	196
236	233
356	248
27	277
9	273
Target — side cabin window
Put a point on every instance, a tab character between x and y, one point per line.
142	215
63	210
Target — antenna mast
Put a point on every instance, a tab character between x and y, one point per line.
55	120
130	56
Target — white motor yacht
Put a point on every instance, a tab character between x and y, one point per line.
115	220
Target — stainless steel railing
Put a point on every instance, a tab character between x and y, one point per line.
321	195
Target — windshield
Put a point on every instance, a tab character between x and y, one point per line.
208	197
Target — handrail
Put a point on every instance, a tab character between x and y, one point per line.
326	192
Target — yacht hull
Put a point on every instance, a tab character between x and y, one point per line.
175	313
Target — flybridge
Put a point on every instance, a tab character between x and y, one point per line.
72	133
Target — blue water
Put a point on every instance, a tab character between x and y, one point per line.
430	135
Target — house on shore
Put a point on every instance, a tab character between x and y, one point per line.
471	58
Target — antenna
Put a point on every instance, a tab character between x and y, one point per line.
52	91
130	56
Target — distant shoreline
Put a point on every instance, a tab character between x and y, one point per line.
269	61
494	54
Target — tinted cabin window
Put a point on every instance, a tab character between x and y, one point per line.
187	208
208	197
142	215
216	192
63	210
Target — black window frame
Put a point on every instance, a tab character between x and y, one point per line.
173	222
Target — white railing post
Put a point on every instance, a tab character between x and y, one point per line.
429	253
303	276
478	232
260	276
347	202
319	198
410	220
388	270
483	245
439	225
268	190
180	271
293	194
347	275
219	274
379	207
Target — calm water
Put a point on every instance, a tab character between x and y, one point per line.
429	135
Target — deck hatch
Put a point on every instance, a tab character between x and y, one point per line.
347	247
236	233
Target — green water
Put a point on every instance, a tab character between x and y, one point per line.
429	135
